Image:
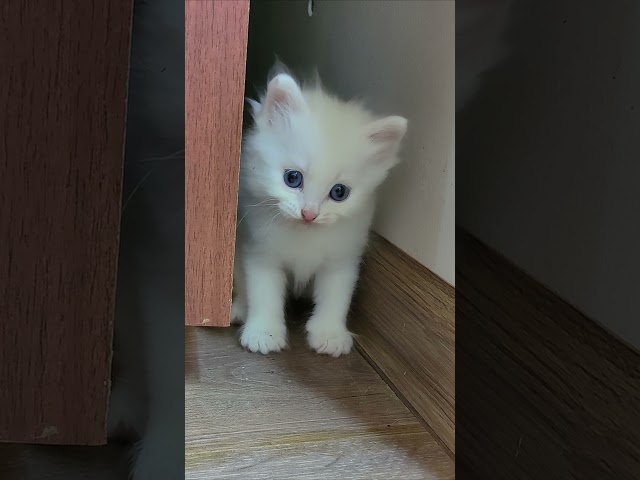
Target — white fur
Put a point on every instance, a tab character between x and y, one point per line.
330	142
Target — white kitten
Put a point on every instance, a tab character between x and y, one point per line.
309	171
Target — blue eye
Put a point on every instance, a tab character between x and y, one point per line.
293	178
339	192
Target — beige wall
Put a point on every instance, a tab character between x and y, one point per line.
399	56
549	156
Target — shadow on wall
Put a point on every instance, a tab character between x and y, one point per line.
542	148
399	56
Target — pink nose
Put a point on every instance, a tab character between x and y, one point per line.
308	215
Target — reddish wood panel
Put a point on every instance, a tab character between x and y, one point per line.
64	84
215	60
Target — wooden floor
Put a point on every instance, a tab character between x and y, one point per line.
296	415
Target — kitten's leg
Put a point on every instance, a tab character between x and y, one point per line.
239	303
265	330
327	328
238	311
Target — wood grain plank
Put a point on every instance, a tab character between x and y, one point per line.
215	61
542	391
403	315
64	84
297	414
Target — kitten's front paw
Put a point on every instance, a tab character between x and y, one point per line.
329	340
237	312
258	337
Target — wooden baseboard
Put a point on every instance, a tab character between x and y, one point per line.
542	391
403	315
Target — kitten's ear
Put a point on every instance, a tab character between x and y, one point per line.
385	135
316	81
254	106
283	97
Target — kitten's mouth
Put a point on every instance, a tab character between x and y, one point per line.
307	223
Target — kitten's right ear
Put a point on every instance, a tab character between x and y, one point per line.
254	105
385	135
283	97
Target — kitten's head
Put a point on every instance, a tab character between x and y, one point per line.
313	157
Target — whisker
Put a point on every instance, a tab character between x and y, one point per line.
268	226
271	223
245	214
263	202
171	156
135	190
267	206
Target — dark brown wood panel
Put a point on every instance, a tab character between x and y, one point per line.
63	85
215	61
542	391
404	317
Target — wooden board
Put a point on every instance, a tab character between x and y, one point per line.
62	102
542	391
403	315
215	57
297	414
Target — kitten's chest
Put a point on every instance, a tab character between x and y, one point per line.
304	251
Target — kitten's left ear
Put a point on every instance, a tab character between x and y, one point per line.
385	135
283	98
